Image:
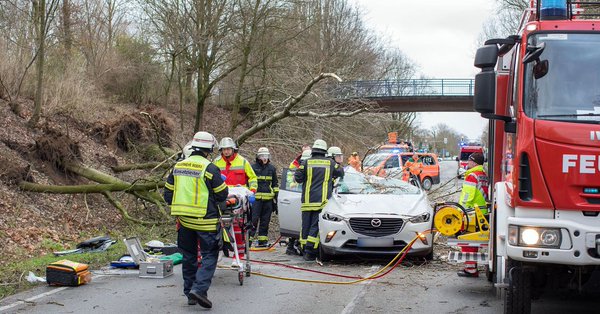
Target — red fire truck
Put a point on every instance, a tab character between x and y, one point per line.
540	89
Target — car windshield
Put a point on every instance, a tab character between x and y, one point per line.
374	160
392	150
358	183
568	74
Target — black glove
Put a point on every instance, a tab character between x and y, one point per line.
275	208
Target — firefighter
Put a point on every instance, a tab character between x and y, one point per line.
237	171
354	161
336	154
193	190
474	192
266	195
293	246
316	173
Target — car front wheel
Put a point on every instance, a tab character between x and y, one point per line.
427	183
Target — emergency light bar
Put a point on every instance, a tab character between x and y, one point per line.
553	10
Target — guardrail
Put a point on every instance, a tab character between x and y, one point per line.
404	88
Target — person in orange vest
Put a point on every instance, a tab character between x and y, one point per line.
412	166
295	164
237	171
354	161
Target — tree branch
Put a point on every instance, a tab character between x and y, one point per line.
326	115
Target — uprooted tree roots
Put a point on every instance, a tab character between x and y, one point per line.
132	130
64	153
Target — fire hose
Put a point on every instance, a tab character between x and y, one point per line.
379	274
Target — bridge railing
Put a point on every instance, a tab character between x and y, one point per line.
404	88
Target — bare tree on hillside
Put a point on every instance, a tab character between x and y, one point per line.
43	13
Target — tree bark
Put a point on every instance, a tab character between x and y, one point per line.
147	165
87	188
40	20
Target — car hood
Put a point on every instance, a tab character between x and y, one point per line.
347	205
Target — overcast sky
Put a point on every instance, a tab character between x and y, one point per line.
440	36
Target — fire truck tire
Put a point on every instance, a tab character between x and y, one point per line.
427	183
518	294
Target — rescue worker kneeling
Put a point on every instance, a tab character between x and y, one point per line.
193	190
266	196
316	173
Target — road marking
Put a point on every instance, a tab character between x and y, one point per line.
363	290
39	296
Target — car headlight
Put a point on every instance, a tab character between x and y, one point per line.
534	236
332	217
420	218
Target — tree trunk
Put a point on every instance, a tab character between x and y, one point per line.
40	20
87	188
67	27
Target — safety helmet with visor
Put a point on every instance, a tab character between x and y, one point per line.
334	151
227	142
202	141
263	153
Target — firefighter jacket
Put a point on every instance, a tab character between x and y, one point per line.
475	189
193	189
266	175
317	174
237	170
295	164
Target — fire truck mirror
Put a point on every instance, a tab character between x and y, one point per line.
486	57
534	53
484	98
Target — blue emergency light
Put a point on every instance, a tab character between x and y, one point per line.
553	10
591	190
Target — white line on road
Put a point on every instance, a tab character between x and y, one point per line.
363	290
10	306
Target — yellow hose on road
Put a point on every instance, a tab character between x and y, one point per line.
393	264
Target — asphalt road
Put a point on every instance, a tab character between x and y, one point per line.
411	288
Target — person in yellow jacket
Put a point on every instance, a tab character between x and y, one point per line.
193	190
237	171
474	192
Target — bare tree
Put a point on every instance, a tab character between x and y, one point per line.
42	15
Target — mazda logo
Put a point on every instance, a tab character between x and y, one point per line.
376	223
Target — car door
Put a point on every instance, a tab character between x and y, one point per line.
288	201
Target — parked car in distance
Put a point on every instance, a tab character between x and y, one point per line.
393	165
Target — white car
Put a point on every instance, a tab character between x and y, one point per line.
366	214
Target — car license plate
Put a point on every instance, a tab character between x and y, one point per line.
375	242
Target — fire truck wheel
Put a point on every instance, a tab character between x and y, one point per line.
518	294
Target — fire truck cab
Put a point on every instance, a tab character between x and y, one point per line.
540	89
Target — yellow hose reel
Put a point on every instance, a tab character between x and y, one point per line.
448	220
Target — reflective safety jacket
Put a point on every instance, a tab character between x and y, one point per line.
295	164
193	189
317	174
237	170
475	189
266	175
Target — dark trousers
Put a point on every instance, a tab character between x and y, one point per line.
261	216
198	278
309	238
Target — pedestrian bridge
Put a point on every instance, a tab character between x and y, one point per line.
411	95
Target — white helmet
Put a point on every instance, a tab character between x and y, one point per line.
320	144
203	140
227	142
334	151
263	151
306	154
187	150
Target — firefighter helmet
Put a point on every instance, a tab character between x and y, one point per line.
203	140
306	154
320	144
227	142
334	151
187	150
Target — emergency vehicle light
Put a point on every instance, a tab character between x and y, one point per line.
591	191
553	10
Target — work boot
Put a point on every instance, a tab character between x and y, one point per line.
192	301
464	273
309	257
262	243
203	301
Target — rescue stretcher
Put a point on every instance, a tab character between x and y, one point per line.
237	212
